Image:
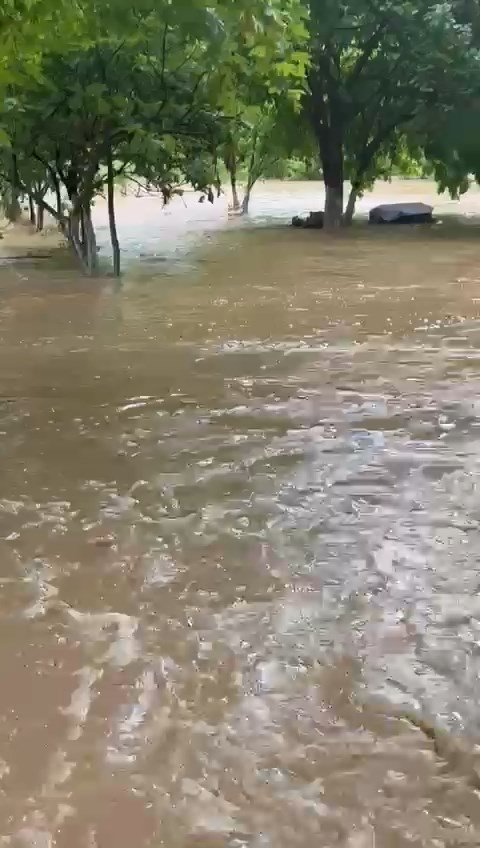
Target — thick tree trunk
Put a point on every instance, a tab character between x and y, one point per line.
333	179
111	216
13	211
350	207
39	217
31	206
331	154
333	206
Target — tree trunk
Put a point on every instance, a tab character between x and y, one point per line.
246	200
230	162
58	199
31	206
333	206
350	207
85	246
253	174
39	217
91	256
82	232
13	211
61	218
73	235
235	197
111	216
333	179
331	154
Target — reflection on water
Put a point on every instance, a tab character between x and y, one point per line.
239	535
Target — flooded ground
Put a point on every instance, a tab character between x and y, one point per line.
239	537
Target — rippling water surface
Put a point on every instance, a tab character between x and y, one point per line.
239	545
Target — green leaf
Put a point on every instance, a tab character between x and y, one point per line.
5	140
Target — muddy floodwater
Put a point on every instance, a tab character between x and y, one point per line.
240	535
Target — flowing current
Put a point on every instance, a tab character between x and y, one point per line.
240	537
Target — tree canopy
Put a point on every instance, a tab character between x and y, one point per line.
170	92
377	66
145	91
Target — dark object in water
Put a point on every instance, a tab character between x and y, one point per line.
313	222
401	213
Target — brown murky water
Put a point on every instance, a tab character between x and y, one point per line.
240	548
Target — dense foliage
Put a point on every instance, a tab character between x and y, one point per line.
172	92
377	68
146	91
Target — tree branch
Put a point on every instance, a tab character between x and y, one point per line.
367	51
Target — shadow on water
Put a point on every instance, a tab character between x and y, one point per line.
239	536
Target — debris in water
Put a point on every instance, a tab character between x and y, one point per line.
107	541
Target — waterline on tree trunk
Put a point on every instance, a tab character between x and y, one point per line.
333	207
